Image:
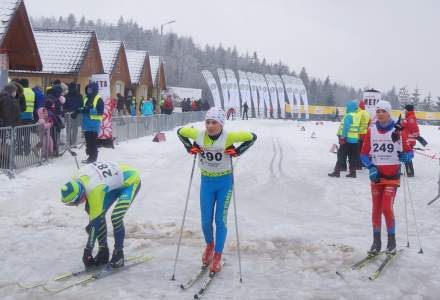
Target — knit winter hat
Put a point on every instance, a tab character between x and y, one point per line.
216	114
385	105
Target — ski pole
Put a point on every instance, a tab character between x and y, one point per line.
184	217
405	198
236	222
438	193
405	178
74	155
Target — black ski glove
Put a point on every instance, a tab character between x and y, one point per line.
88	258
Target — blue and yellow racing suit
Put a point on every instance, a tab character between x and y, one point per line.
106	183
217	179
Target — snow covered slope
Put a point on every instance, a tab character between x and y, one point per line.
297	225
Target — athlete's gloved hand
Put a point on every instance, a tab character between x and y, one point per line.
406	156
232	151
341	140
195	149
374	174
102	257
88	258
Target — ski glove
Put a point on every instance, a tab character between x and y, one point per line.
341	140
406	156
374	174
231	151
195	149
88	258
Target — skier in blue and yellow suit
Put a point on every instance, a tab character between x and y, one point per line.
100	185
215	146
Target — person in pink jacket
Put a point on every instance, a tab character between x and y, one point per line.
46	124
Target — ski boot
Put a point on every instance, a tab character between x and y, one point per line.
117	260
376	246
102	257
391	245
207	255
351	174
335	173
216	263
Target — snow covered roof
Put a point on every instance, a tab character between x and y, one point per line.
154	65
63	51
136	61
7	11
109	54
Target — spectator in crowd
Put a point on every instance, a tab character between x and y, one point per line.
39	100
9	116
128	102
20	95
162	103
46	142
154	104
348	135
168	106
54	107
74	101
205	105
245	111
92	113
147	108
194	105
120	104
9	107
230	113
412	128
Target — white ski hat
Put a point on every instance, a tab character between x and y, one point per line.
385	105
216	114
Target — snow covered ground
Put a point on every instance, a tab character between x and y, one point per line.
297	225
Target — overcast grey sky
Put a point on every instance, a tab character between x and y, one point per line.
379	43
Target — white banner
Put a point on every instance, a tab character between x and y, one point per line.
224	88
258	103
234	96
212	84
302	94
288	83
281	96
245	90
371	97
263	90
273	94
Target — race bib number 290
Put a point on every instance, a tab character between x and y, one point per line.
209	156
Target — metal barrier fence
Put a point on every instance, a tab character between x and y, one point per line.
30	145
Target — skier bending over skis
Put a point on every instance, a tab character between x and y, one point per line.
384	148
215	146
101	184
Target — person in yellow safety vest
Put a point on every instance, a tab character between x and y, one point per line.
92	113
365	119
348	134
288	110
27	116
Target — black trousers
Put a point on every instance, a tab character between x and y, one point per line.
347	150
91	144
409	168
359	162
245	113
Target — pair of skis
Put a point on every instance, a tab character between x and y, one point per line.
371	258
196	278
86	276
